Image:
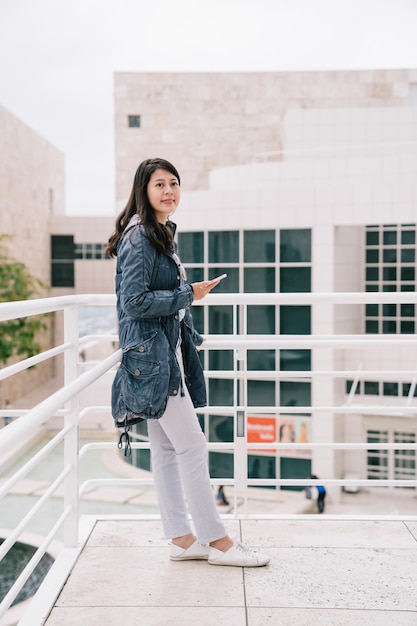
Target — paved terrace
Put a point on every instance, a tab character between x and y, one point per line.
322	571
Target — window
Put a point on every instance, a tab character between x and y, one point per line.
295	279
295	246
259	246
391	464
133	121
62	261
224	247
191	247
390	267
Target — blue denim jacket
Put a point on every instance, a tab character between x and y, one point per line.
150	293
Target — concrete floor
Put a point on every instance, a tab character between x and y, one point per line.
322	571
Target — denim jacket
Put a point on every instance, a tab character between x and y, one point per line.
150	293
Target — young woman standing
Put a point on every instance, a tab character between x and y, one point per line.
160	378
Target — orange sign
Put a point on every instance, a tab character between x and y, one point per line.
262	429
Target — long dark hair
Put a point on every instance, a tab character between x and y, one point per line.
158	234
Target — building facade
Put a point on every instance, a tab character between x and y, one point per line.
324	200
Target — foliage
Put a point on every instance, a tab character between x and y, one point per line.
17	283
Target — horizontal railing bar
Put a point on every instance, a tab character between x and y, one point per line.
299	374
33	360
229	445
259	482
247	342
361	482
369	409
23	308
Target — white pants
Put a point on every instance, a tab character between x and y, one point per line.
179	464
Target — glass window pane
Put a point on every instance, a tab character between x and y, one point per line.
295	393
407	310
133	121
230	284
194	274
259	280
389	273
390	237
407	328
261	393
224	247
389	310
295	245
390	389
295	360
220	320
261	466
372	238
389	326
372	310
261	320
62	247
261	360
371	327
295	279
372	273
220	392
407	273
62	274
221	359
191	247
371	387
389	255
372	256
295	320
259	245
408	255
221	428
408	237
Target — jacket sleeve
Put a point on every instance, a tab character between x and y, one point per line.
136	261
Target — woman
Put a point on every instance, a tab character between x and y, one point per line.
160	377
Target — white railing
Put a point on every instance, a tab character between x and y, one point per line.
79	376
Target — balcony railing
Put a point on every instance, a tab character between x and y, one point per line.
78	376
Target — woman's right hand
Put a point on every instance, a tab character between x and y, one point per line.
202	289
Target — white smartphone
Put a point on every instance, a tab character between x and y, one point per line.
213	280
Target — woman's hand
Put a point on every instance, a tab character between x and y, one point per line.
202	289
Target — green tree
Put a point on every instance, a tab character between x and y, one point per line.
18	336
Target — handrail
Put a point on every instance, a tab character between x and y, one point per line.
64	401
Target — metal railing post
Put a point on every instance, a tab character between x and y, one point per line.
71	442
240	459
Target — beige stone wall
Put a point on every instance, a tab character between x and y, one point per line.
90	275
202	121
31	189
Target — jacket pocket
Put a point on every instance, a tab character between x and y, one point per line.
139	382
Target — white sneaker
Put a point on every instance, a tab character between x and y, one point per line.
237	555
195	552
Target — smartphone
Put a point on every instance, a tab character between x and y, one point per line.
213	280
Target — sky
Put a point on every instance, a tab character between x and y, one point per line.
58	58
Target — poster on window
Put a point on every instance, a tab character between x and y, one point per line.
270	429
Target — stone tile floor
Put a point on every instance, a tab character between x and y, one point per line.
322	571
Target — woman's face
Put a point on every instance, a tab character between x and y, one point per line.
163	194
